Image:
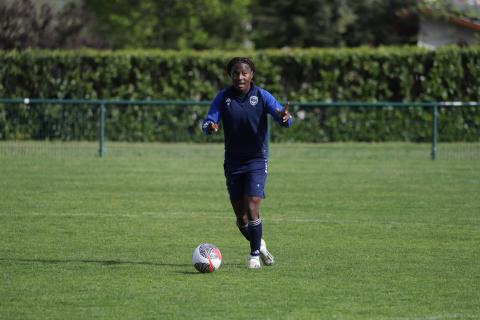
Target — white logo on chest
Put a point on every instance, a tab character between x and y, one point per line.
228	101
253	100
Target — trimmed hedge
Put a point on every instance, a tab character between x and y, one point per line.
361	74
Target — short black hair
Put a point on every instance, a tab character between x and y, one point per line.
236	60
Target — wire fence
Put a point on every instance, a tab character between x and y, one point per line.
53	125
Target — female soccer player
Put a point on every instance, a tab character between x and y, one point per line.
243	109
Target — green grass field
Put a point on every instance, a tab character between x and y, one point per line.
359	231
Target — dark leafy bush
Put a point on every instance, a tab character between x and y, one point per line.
303	75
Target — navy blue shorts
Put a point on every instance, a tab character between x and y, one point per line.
246	179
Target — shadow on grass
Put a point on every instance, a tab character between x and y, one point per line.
97	261
111	263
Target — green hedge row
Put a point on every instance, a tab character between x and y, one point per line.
362	74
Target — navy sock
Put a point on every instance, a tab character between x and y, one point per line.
255	236
244	230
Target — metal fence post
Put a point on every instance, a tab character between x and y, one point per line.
434	130
101	134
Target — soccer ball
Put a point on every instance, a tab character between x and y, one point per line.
206	258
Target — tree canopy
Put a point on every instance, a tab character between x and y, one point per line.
205	24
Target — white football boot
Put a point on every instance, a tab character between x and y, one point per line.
266	256
253	262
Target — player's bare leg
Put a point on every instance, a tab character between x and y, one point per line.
241	215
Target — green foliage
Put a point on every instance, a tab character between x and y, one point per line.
171	24
37	24
203	24
363	74
234	24
331	23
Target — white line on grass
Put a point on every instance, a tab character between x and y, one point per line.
434	317
475	224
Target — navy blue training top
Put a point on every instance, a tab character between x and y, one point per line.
244	120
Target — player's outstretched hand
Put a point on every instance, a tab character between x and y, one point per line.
212	127
284	114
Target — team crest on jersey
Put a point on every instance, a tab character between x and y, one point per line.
228	101
253	100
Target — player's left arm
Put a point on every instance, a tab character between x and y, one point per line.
279	113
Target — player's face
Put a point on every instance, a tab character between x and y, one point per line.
242	76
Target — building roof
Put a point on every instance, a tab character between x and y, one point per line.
463	13
461	21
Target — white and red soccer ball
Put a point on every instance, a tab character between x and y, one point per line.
206	258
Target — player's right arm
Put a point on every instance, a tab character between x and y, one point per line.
210	124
